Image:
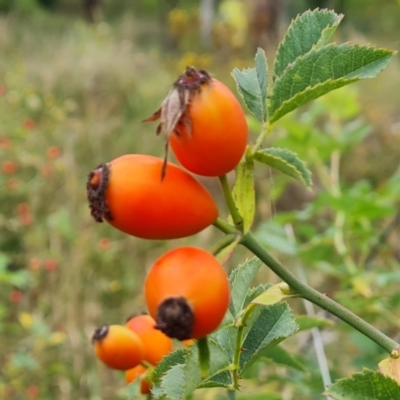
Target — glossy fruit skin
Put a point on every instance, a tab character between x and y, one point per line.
118	347
218	132
133	374
196	275
156	344
144	205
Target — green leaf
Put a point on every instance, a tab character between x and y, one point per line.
280	356
306	322
174	358
240	280
172	384
309	30
252	86
243	192
273	295
368	385
273	324
322	70
285	161
180	375
223	379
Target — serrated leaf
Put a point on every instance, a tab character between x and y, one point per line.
255	292
282	357
306	322
273	324
174	358
252	86
172	384
321	71
183	366
285	161
390	367
309	30
240	280
368	385
223	379
273	295
243	192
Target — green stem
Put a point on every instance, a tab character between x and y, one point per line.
236	217
238	345
224	226
225	241
266	129
321	300
204	356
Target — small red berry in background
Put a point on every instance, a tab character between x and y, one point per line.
32	392
9	167
53	152
50	265
15	296
3	90
104	244
187	293
34	264
5	143
23	208
29	124
25	219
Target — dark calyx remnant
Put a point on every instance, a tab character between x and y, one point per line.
100	333
175	318
96	193
192	80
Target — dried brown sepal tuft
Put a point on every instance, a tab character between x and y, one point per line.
100	333
175	318
96	193
173	108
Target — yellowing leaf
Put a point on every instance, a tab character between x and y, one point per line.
391	368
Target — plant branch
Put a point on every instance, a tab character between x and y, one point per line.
319	299
222	243
266	130
224	226
241	324
236	217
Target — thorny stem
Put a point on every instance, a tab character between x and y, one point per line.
319	299
236	217
241	324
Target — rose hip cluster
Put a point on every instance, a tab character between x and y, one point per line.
186	290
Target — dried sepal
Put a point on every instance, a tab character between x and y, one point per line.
174	107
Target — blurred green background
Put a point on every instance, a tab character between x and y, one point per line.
76	80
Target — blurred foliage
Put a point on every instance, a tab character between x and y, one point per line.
72	96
